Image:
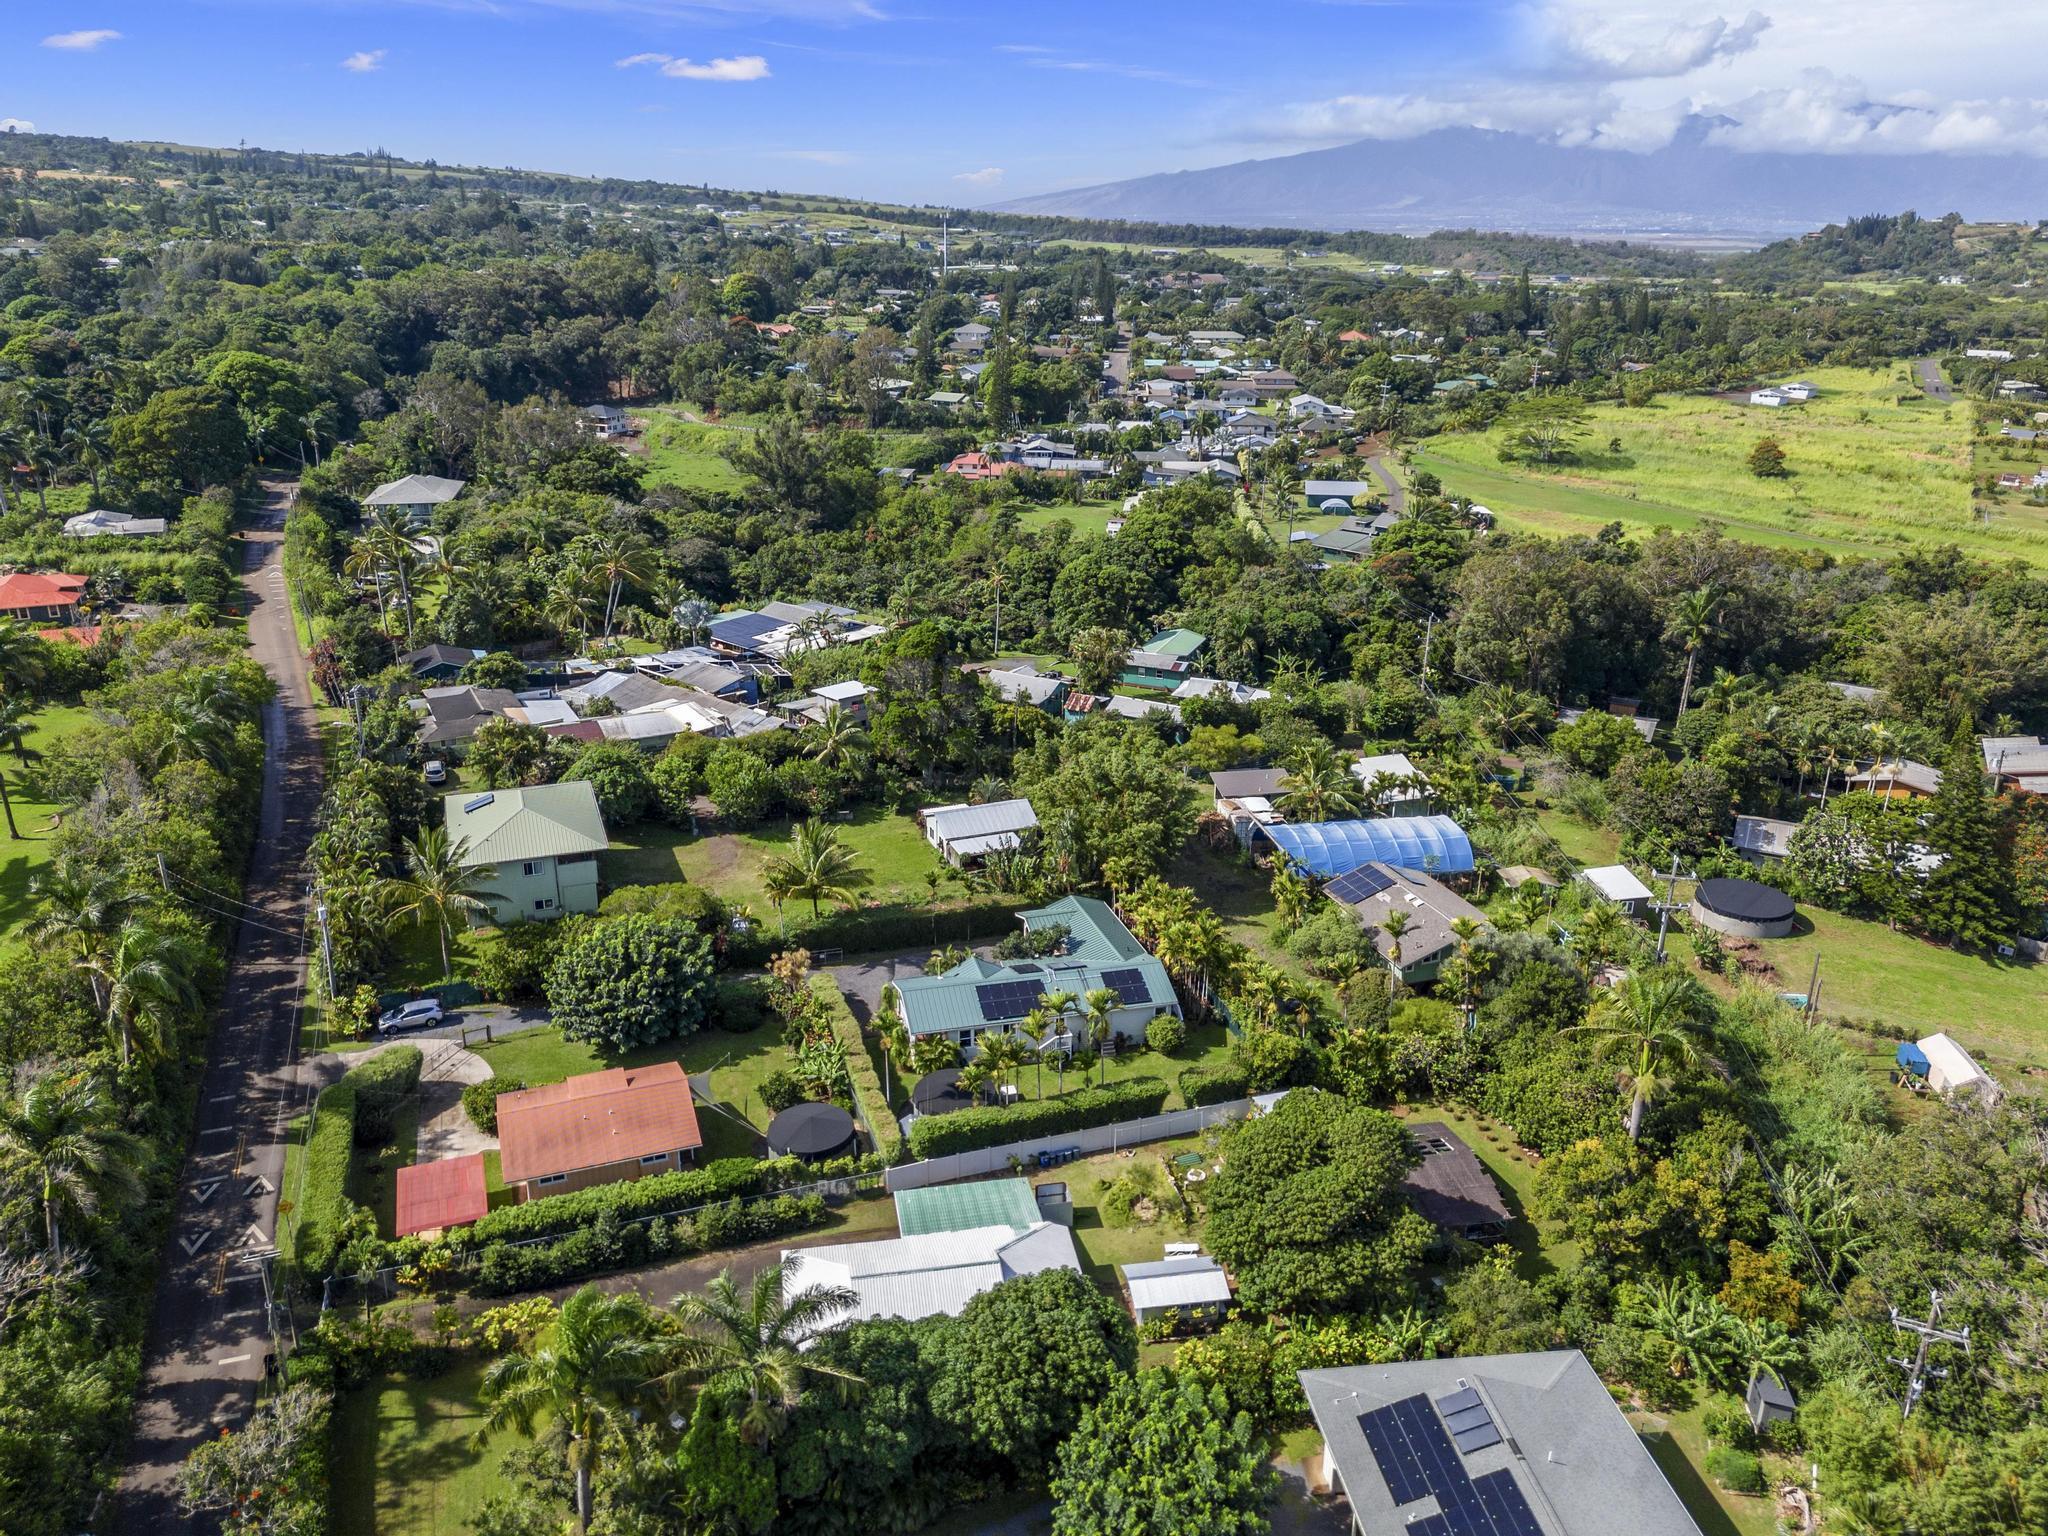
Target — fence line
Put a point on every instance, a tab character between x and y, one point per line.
1099	1138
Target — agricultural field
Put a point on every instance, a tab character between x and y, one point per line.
1874	466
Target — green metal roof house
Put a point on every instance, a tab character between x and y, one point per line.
542	844
979	995
1164	660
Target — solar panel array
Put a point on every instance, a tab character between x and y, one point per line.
1129	986
1004	1000
1413	1451
1363	882
1465	1416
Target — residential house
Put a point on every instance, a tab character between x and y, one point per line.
605	1127
964	834
416	496
624	693
1375	890
1248	798
1220	687
1432	845
777	629
956	1241
850	698
1238	395
1309	410
101	524
1076	706
1902	776
1028	685
1353	538
1164	660
540	843
700	668
971	338
1480	1443
2016	762
438	663
606	421
41	597
948	399
1099	951
1450	1186
1645	725
455	713
1188	1285
1410	798
1616	883
978	466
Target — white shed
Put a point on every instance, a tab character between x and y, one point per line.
1951	1070
1188	1284
1619	885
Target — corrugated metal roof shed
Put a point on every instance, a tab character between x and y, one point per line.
956	823
1195	1281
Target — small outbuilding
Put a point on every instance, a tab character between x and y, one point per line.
1193	1285
433	1197
1746	909
1617	883
1769	1400
1948	1069
814	1132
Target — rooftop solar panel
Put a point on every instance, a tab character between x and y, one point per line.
1466	1418
1359	885
1004	1000
1458	1401
1501	1497
1417	1459
1477	1438
1129	985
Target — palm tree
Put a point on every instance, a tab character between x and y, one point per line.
571	598
1098	1012
386	532
751	1347
1466	930
1393	925
1695	619
1503	713
622	561
13	444
143	978
1654	1020
1727	690
439	886
364	564
66	1146
199	724
21	655
91	448
817	868
1319	788
44	459
582	1376
14	725
79	908
835	738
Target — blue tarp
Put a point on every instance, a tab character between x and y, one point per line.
1912	1059
1436	845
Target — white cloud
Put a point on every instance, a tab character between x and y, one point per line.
987	176
16	125
1106	67
747	66
83	41
1590	46
362	63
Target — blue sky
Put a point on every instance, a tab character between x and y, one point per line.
941	100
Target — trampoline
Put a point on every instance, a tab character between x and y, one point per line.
940	1093
1743	908
813	1132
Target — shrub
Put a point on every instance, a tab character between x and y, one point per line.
322	1205
1214	1085
863	932
552	1214
622	982
608	1243
1167	1033
1736	1470
1725	1421
968	1129
676	781
383	1083
780	1089
860	1067
742	1005
619	774
741	785
1272	1058
515	968
480	1101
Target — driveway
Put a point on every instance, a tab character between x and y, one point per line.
480	1023
1927	371
862	981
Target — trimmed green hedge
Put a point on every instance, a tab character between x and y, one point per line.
964	1131
609	1244
1214	1085
383	1083
322	1207
867	1085
860	932
651	1196
480	1100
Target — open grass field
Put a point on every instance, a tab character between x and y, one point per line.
404	1462
730	864
685	454
1089	517
1875	466
23	858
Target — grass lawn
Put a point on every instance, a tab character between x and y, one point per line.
23	858
403	1461
1995	1008
1104	1247
373	1171
730	864
685	454
1592	846
1087	517
1875	465
737	1064
1679	1447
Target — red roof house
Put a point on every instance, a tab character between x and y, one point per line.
623	1123
50	596
979	466
435	1196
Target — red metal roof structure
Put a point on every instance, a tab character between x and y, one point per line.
30	591
614	1116
432	1196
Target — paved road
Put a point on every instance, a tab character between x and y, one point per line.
1932	384
1397	494
208	1334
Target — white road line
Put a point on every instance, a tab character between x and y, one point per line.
215	1130
232	1360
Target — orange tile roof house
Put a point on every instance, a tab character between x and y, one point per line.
435	1196
49	597
623	1123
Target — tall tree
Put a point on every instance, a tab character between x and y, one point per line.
1655	1021
817	868
1968	898
749	1348
583	1376
1161	1457
438	887
62	1144
1695	619
15	718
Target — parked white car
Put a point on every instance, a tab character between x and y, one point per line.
420	1013
437	772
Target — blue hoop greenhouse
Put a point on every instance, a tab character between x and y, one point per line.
1436	845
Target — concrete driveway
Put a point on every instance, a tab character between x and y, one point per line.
467	1024
862	981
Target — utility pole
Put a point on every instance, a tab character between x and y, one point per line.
1931	1333
163	873
1428	632
1668	905
326	946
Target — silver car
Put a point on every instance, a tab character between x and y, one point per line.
420	1013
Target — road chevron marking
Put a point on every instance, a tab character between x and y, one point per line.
195	1242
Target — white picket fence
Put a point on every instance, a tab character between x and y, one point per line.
1101	1138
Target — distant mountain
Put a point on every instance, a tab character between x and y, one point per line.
1477	178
